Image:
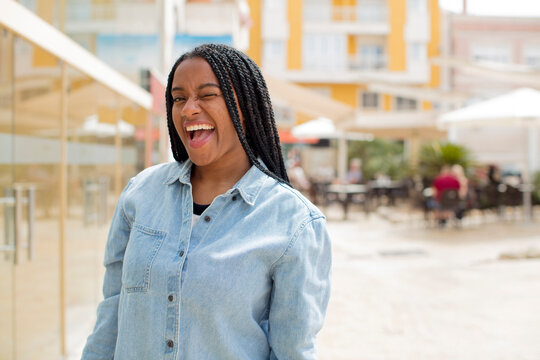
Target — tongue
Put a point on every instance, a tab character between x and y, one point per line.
200	134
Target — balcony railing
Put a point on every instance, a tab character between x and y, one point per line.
364	63
110	11
366	13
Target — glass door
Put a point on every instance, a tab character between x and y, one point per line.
7	200
36	177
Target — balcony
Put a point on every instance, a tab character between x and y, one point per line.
367	63
83	16
366	18
369	13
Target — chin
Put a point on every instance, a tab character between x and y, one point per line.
201	159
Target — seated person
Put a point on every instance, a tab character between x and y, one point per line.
354	175
446	180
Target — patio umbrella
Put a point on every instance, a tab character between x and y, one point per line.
519	108
324	128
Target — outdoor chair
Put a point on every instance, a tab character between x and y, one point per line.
511	197
488	198
321	192
450	200
451	204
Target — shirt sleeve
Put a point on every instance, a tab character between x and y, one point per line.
102	342
300	293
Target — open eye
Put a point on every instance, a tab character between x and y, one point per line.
179	99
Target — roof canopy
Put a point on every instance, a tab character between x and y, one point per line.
520	107
395	124
306	101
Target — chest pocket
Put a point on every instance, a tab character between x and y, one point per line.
141	251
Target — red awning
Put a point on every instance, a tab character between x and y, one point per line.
286	137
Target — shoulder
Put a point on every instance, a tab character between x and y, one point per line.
151	182
290	203
145	188
157	174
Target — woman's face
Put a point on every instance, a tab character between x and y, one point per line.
201	117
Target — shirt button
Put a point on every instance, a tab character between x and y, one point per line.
181	253
234	198
171	298
170	343
207	218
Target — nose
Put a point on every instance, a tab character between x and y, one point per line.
191	107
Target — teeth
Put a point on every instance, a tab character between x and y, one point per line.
199	127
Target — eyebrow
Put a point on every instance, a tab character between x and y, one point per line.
202	86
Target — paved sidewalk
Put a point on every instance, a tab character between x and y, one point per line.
404	291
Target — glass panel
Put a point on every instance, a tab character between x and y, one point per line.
132	160
87	211
37	166
99	166
7	244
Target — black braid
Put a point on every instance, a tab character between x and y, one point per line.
235	70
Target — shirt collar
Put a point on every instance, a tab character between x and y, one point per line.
180	171
249	186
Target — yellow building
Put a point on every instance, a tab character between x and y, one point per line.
373	55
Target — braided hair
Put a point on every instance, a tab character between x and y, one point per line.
235	70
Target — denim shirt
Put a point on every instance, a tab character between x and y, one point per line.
250	280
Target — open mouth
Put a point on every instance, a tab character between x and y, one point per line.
199	133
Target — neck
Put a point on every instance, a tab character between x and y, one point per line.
215	179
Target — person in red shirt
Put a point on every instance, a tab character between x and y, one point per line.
446	180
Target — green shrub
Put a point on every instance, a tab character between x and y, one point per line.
380	156
433	156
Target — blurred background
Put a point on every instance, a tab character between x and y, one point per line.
413	124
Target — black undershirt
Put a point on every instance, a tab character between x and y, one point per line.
199	209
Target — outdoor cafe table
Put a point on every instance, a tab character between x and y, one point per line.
345	194
385	188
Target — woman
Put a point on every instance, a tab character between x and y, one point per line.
214	256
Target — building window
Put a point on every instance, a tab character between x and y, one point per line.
371	11
317	10
417	51
371	56
500	53
533	61
417	5
275	5
274	55
324	52
405	103
369	100
531	55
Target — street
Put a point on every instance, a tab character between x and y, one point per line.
404	291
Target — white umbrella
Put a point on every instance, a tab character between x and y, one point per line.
324	128
518	108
